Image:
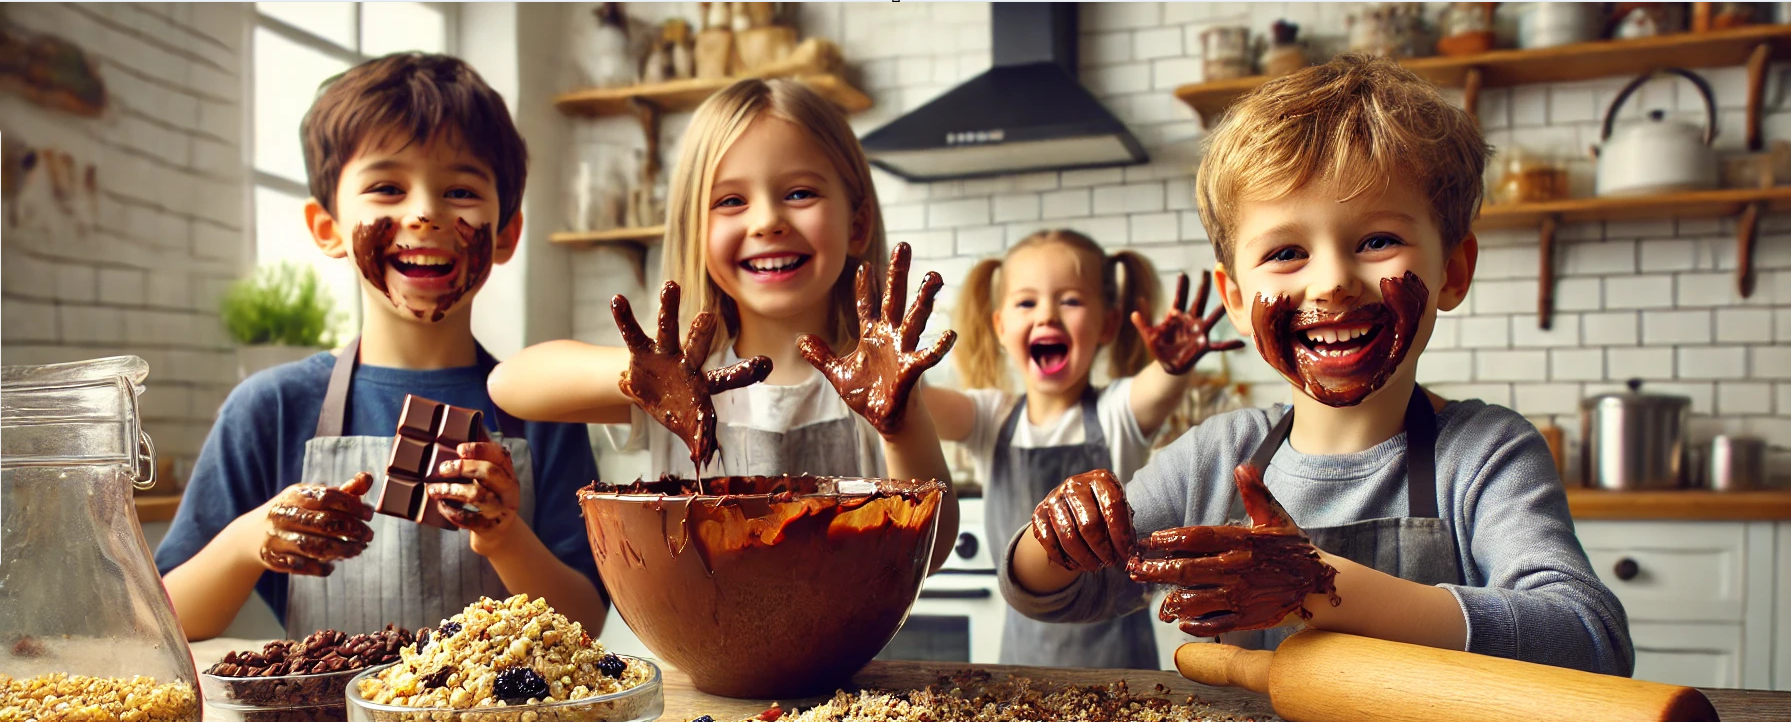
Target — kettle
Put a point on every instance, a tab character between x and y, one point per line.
1657	155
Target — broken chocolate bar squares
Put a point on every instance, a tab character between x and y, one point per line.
429	432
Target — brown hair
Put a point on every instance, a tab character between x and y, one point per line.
421	95
717	123
1357	121
1128	283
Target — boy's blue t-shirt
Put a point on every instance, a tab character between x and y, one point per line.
257	448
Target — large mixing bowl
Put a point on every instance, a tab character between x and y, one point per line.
764	587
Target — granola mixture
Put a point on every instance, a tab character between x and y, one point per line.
972	696
506	653
98	699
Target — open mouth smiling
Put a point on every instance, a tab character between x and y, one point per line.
1341	358
775	266
423	263
1050	353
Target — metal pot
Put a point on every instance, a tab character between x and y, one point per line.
1634	440
1735	463
1657	155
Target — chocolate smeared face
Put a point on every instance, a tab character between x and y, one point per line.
424	280
1341	358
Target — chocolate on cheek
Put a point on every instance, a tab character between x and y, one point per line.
474	249
1404	300
370	245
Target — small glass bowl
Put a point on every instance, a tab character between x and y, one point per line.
641	703
278	699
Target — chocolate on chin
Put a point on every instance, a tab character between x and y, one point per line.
1347	377
429	432
769	586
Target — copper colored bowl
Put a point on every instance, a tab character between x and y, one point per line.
764	587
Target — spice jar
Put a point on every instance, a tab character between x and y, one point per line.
1527	177
83	616
1227	52
1467	29
1285	53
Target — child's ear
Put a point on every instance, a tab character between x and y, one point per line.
507	238
1458	273
1232	296
860	238
324	231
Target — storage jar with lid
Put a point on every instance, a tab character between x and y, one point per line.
83	616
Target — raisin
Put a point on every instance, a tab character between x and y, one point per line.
518	684
448	629
704	718
612	666
437	678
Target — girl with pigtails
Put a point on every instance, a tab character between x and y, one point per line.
1049	306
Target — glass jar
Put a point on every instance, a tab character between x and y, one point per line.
83	615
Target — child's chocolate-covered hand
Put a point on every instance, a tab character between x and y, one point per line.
311	525
876	378
1234	578
1183	336
668	381
488	498
1084	524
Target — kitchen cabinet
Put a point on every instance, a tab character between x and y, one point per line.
1707	600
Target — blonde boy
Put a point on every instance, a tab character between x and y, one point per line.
1339	201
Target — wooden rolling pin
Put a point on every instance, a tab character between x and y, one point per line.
1317	676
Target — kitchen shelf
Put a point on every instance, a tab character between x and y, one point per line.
1546	217
1579	61
1680	505
673	96
645	236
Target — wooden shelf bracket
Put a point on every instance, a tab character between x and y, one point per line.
1545	284
1756	94
1470	94
1746	229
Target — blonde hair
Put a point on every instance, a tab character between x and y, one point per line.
1128	283
717	123
1356	121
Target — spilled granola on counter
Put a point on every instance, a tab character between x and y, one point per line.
973	696
507	653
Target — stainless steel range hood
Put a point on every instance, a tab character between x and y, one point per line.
1027	113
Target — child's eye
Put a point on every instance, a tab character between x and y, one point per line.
386	189
730	202
462	194
1381	243
801	194
1284	255
1028	303
1077	302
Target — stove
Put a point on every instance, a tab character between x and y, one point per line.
959	614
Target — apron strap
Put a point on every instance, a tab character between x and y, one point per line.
1092	433
334	416
1420	452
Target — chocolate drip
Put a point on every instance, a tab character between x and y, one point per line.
1183	336
1276	324
370	246
474	248
1084	524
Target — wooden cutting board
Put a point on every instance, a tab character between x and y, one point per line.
683	702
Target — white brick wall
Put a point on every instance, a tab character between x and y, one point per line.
1654	300
137	269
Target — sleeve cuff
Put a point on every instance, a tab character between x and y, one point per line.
1492	624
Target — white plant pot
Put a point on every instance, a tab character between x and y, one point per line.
259	357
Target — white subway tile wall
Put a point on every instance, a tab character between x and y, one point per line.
137	268
1652	300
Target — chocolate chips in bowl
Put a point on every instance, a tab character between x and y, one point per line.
297	679
767	586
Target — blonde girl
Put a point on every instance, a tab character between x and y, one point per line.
771	214
1048	307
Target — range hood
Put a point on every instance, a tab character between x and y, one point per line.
1027	113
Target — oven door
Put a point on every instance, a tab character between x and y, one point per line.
957	618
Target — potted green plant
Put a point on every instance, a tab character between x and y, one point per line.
280	314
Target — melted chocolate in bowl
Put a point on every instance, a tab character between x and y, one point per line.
767	586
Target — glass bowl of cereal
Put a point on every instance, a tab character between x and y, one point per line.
514	660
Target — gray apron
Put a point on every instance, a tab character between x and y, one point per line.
825	448
1418	547
411	575
1018	480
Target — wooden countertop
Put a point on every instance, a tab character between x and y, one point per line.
1680	505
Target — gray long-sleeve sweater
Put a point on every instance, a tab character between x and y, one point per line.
1530	593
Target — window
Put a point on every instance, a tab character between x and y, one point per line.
298	45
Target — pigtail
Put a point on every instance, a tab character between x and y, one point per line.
1137	290
978	351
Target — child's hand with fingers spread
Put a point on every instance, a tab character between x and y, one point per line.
311	525
668	381
487	500
1236	578
1183	337
1084	524
876	378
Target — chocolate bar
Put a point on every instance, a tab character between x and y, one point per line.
429	432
